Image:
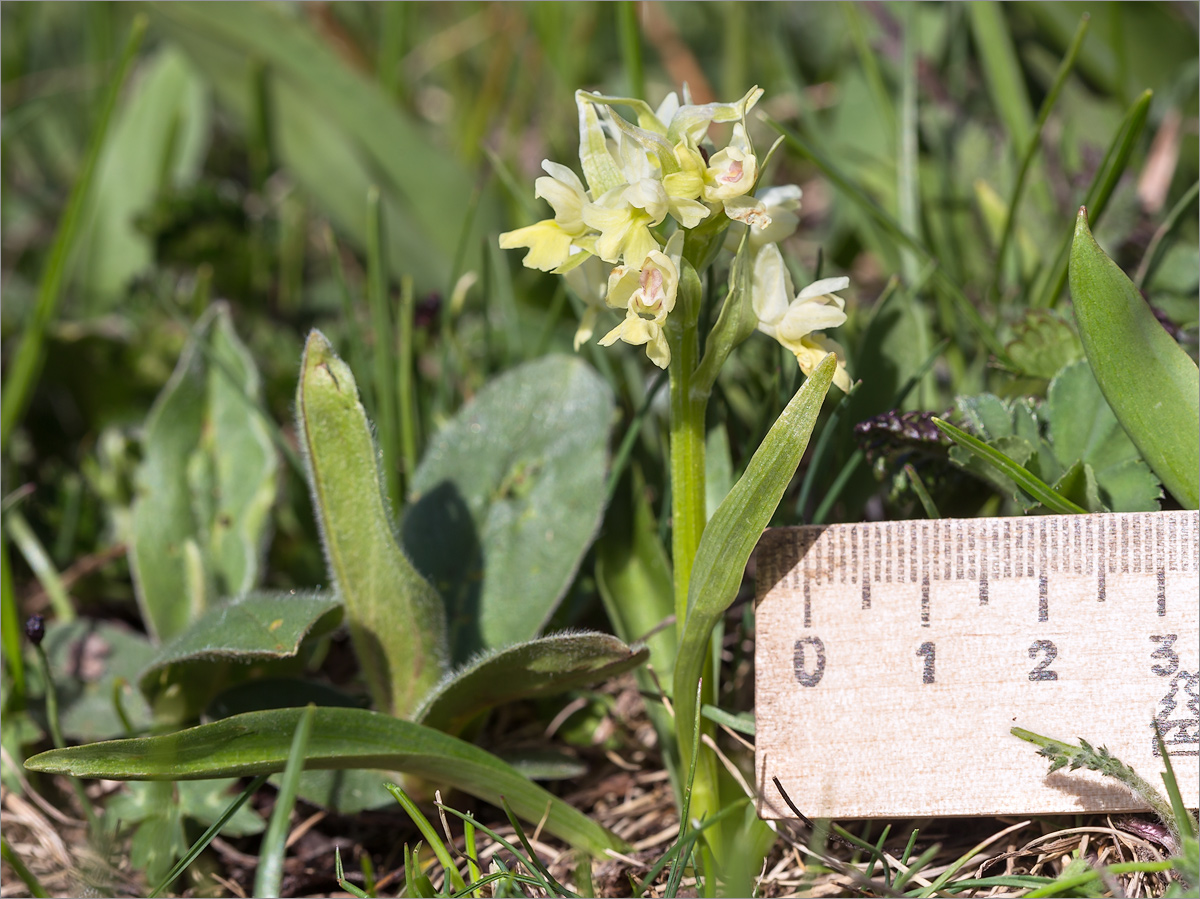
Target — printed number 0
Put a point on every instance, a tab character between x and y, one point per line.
799	661
1042	671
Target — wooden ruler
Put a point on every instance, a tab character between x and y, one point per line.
892	659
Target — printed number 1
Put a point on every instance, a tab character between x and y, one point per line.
930	653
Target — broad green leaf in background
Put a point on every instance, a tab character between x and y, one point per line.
91	661
507	499
1083	429
259	626
1013	429
541	667
258	743
157	141
1151	384
396	618
733	533
205	485
335	130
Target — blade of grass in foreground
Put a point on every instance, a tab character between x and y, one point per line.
274	845
1026	480
258	743
27	362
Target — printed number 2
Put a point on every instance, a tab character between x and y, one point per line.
1166	653
1042	671
927	650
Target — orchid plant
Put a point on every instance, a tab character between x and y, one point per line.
638	233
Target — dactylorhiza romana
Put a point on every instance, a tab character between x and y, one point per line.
619	234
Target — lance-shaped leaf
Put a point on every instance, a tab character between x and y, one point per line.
541	667
1151	384
258	627
206	483
395	617
733	532
508	498
258	743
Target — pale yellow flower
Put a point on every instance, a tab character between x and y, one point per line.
792	321
550	240
624	217
647	295
732	171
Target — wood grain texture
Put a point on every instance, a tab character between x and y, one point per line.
893	658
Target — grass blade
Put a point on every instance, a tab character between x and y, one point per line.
1116	158
38	559
30	355
1031	147
383	349
27	877
1026	480
207	837
431	836
274	845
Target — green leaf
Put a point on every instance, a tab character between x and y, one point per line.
335	130
257	627
206	483
1151	384
158	140
204	801
90	660
633	575
541	667
1022	477
733	533
508	498
396	618
258	743
1082	427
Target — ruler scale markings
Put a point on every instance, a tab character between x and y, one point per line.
1101	673
912	545
1088	546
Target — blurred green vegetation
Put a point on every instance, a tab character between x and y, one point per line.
247	138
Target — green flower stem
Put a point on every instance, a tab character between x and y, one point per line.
687	466
688	508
